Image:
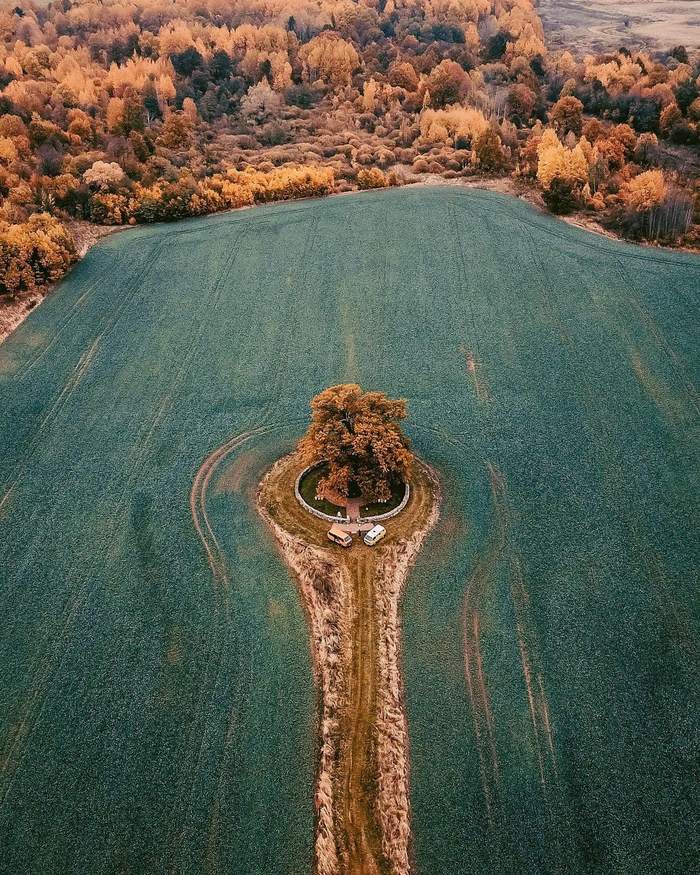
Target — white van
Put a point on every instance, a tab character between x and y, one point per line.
373	535
339	536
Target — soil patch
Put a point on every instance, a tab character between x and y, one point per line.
602	25
237	476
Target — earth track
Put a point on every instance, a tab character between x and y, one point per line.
359	823
366	784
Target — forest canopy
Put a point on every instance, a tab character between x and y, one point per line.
127	112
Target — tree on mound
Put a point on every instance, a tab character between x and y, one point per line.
358	435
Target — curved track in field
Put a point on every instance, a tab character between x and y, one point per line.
198	498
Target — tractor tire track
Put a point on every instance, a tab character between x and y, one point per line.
615	247
600	439
198	509
282	352
184	361
661	342
218	567
536	706
31	711
69	387
499	550
500	553
465	286
475	371
108	324
546	300
221	620
63	324
211	305
482	714
56	652
598	414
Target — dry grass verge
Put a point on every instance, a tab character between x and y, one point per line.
352	598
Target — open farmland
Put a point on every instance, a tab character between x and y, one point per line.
602	25
157	703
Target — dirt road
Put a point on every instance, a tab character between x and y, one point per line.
358	767
360	846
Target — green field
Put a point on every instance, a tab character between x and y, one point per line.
156	717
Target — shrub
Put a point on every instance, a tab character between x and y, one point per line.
567	115
104	175
562	196
34	253
110	209
371	177
489	153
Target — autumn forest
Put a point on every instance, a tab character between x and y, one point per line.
137	111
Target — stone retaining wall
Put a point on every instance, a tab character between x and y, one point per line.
344	519
390	513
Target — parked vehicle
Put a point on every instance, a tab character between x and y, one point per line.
373	535
339	536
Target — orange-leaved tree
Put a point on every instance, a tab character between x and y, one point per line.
358	434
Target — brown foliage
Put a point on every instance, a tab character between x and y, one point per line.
359	435
448	83
372	177
177	95
567	115
489	153
403	75
33	254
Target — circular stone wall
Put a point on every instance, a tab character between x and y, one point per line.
321	513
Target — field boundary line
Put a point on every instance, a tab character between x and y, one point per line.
614	246
77	305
